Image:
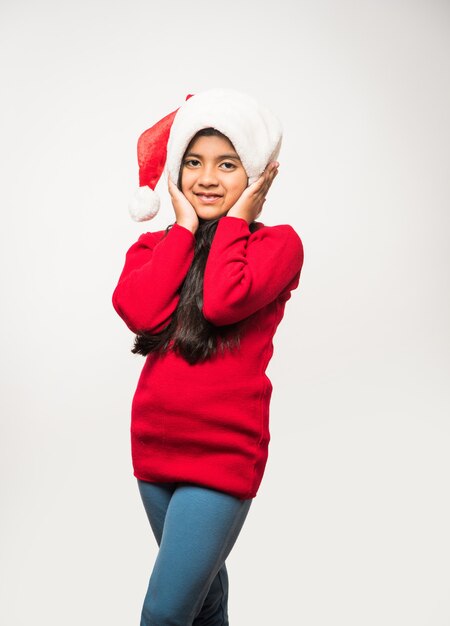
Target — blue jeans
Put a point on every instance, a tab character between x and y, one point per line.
195	528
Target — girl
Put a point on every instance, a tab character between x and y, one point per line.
204	298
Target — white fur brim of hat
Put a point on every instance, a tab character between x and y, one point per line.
255	132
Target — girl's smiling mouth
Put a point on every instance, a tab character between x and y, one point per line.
207	198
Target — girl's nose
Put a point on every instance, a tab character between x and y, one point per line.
207	176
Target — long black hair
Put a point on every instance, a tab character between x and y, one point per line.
192	336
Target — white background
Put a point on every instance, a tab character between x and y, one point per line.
350	525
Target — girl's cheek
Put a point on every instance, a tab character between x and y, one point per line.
185	180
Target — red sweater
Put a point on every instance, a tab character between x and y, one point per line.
208	423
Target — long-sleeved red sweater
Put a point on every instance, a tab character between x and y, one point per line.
208	423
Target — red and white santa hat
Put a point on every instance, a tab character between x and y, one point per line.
254	131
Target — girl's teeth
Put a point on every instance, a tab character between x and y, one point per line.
208	198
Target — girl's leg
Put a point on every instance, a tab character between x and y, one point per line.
215	606
189	583
156	498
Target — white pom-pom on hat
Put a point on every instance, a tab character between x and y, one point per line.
144	205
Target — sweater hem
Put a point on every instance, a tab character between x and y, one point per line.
247	496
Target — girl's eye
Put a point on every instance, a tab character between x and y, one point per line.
195	162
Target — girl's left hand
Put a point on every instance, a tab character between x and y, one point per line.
251	201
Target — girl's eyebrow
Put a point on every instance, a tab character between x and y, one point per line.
222	156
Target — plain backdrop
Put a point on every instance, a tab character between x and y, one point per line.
350	525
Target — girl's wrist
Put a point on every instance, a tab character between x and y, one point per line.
243	217
190	227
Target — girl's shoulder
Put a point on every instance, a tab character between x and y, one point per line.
281	237
151	238
285	231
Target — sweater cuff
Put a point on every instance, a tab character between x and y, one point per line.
182	231
232	224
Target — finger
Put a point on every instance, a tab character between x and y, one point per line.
259	187
274	174
173	189
267	174
267	183
272	166
255	187
271	171
260	180
269	177
274	170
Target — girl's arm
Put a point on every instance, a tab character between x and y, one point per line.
246	271
146	294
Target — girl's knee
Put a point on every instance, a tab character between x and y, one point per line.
156	613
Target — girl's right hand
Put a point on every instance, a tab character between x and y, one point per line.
184	211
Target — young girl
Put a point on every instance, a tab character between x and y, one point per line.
204	298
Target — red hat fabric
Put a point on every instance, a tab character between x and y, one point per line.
152	155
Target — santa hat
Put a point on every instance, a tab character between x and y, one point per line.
254	131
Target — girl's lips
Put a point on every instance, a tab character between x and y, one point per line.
208	199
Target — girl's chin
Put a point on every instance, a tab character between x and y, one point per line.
209	213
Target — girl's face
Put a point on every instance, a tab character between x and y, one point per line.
212	176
